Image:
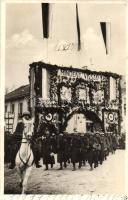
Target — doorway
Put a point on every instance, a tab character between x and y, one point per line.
79	123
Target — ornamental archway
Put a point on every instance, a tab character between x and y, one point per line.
82	121
57	91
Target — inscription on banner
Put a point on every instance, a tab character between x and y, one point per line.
80	75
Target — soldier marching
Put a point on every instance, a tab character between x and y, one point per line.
91	148
75	148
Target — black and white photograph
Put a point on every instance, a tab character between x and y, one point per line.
65	98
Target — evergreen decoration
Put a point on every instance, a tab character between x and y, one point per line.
74	90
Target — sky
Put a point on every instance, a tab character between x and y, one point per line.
25	43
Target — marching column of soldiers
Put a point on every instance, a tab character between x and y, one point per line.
91	148
78	149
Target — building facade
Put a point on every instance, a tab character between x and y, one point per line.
123	89
16	102
67	99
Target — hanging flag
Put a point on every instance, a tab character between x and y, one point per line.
105	28
45	19
78	28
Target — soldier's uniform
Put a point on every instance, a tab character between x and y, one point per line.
16	142
107	145
75	151
81	150
122	142
84	148
68	147
110	143
47	152
62	150
101	152
92	151
36	150
96	151
53	138
114	143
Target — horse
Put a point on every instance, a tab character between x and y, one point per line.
24	160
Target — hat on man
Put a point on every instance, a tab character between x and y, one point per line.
26	113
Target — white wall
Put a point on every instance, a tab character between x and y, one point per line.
92	51
112	89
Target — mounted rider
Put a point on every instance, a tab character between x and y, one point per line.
25	123
16	141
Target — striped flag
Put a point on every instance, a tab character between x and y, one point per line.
78	28
105	28
45	19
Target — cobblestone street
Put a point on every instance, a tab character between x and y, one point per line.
107	178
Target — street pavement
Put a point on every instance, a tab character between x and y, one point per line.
107	178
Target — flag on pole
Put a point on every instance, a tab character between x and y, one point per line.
105	28
78	28
45	19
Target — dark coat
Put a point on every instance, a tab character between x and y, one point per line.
62	149
101	152
84	147
54	144
90	151
76	149
19	131
17	137
16	141
114	142
110	143
36	146
47	149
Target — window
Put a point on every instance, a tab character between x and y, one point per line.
12	108
20	110
6	107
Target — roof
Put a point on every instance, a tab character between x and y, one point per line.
18	93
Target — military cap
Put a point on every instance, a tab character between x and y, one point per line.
26	113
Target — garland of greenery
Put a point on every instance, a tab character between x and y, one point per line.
64	107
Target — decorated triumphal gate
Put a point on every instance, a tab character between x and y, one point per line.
66	99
